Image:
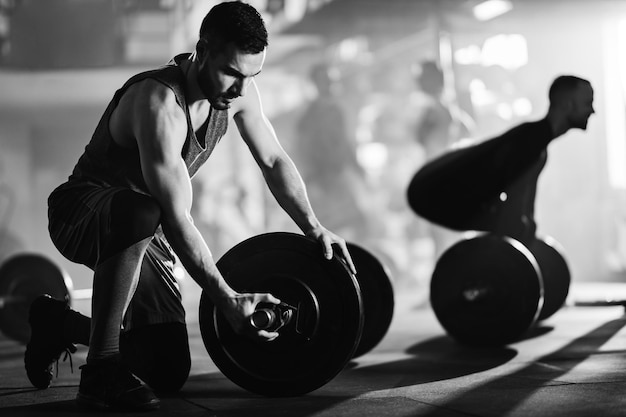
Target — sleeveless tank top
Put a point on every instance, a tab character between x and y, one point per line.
106	163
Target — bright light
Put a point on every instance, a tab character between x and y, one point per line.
491	8
615	65
295	10
350	49
469	55
508	51
479	93
372	155
504	111
522	107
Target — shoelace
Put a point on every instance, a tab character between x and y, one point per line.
71	348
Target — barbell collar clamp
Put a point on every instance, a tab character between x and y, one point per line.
272	317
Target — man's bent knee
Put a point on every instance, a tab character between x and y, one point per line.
134	217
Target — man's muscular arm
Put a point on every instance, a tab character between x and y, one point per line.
160	128
280	173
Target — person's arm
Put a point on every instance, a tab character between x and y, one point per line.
280	173
160	128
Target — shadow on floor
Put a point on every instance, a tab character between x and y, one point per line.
540	373
435	359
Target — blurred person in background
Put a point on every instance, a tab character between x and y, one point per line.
439	124
327	158
129	198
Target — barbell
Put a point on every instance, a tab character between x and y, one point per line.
327	317
489	290
24	277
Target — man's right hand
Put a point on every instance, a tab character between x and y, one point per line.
238	309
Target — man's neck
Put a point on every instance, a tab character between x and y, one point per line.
193	92
558	123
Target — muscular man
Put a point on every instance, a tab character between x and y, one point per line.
491	186
128	199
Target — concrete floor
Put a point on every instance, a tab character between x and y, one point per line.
574	364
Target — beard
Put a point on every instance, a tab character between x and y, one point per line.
220	104
217	100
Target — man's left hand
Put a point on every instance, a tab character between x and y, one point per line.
328	239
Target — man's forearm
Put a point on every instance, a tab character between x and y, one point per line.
289	189
197	259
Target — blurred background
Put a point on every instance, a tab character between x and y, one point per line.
382	86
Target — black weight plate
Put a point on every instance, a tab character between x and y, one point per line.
23	278
330	316
378	299
486	290
555	273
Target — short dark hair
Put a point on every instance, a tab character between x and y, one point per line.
237	23
564	84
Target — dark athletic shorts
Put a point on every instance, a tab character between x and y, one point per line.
79	225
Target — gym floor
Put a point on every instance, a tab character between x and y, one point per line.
573	364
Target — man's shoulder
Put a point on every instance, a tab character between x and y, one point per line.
149	90
147	99
167	75
526	127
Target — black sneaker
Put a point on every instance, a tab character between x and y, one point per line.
46	342
107	385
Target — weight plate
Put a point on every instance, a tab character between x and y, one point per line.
555	273
23	278
309	352
486	290
377	293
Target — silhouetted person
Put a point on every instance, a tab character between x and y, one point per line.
491	186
